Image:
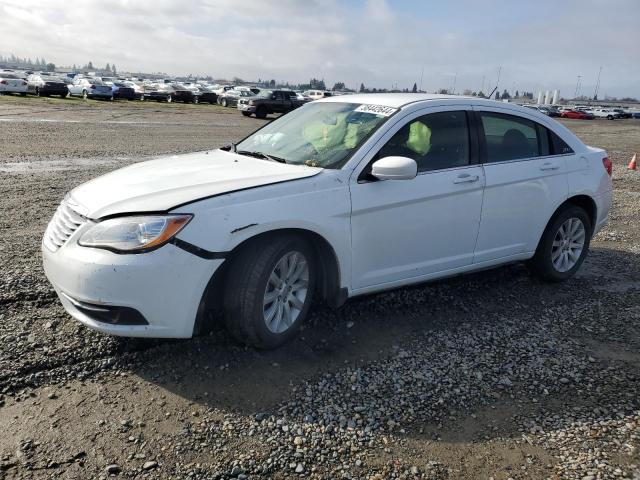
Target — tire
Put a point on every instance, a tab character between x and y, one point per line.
251	280
246	114
196	100
37	92
169	98
609	117
23	94
547	263
261	112
224	102
84	94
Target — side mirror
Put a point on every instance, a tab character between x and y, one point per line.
395	168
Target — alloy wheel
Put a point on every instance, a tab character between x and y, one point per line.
568	244
286	292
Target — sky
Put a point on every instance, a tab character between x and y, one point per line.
539	45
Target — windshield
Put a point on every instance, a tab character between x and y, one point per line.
317	134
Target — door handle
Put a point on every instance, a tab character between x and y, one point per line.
466	178
549	166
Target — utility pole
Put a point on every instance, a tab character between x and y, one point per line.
455	79
421	76
575	95
595	93
498	80
482	88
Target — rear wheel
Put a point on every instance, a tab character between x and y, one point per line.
196	100
269	291
169	98
224	102
37	92
563	246
84	94
246	114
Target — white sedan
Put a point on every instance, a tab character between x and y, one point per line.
11	83
341	197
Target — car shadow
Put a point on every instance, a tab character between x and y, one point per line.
215	371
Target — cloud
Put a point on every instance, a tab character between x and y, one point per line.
376	42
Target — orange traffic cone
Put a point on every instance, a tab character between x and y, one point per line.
633	164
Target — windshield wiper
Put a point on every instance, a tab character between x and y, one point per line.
261	155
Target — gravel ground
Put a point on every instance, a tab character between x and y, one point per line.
490	375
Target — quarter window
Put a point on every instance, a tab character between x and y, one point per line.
559	146
508	137
435	141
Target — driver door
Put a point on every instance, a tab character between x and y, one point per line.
408	230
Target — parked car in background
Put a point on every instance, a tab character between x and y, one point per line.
12	83
137	88
635	115
230	97
603	113
185	94
207	94
577	114
267	102
315	94
46	85
81	86
340	198
548	111
160	92
621	113
123	91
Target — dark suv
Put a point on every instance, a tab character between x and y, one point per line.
269	101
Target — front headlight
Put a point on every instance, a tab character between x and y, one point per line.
134	234
251	102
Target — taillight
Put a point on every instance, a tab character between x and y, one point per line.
608	166
4	82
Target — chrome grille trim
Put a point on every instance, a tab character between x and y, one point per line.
65	221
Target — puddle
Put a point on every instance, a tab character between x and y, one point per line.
44	166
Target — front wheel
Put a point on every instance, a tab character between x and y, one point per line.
84	94
169	98
246	114
563	246
269	291
224	102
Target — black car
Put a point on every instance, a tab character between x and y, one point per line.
160	94
181	94
124	91
549	111
45	85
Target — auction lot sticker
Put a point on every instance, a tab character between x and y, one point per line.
376	109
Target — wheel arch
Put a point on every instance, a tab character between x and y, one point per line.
585	202
328	264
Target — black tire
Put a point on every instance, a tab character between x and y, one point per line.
541	264
609	117
169	98
37	92
261	112
23	94
246	283
224	102
84	94
246	114
196	100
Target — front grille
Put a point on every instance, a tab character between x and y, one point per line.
65	221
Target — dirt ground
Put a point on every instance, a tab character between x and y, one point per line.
490	375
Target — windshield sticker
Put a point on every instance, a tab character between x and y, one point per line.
376	110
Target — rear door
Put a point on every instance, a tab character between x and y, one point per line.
277	104
525	183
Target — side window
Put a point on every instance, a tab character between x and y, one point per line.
435	141
279	95
558	146
509	137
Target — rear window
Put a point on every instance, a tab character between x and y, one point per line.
509	137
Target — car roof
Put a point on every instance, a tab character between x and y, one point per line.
398	100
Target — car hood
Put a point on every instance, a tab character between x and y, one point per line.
165	183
